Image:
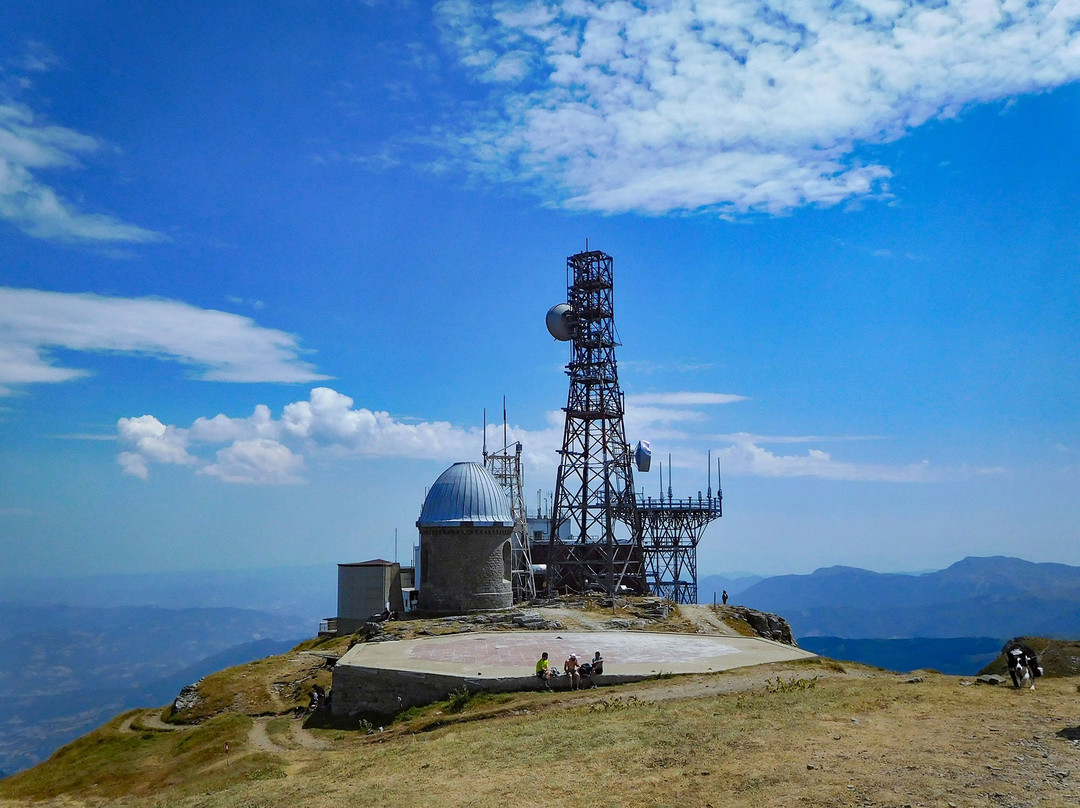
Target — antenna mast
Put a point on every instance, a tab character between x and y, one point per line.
604	537
505	467
594	488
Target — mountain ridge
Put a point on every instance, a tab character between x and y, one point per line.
993	596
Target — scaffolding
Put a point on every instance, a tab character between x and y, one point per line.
670	532
505	467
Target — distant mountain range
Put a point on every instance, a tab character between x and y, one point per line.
308	592
65	670
996	597
711	587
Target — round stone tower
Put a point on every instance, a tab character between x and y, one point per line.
465	528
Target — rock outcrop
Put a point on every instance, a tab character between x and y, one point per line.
765	624
187	699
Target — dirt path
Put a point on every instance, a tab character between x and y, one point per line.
705	617
304	737
150	720
258	739
301	739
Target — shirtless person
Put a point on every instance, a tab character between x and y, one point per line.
571	668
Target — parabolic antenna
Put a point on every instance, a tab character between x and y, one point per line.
559	324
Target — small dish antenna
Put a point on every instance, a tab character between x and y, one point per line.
560	322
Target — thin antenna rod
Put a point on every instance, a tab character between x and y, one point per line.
504	422
709	467
485	434
669	475
395	545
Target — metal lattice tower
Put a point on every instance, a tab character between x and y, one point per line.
594	487
670	532
506	469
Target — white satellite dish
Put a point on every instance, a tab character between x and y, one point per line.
559	323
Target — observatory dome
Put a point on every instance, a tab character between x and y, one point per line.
465	493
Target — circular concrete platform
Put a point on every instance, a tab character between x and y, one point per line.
514	654
384	678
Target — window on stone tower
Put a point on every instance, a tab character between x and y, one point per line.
506	560
425	561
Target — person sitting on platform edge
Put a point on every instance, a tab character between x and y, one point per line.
591	669
571	668
543	669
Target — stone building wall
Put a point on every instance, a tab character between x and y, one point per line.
465	569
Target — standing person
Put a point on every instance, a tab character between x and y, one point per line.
725	597
571	668
543	669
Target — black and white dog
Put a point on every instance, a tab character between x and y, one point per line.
1023	666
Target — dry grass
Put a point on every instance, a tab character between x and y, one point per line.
784	735
271	686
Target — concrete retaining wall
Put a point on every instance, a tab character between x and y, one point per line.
378	691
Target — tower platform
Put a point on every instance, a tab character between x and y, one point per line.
386	677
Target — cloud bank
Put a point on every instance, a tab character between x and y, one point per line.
227	346
29	147
738	105
262	449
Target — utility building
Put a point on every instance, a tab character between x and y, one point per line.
365	589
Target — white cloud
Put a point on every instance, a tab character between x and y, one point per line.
227	346
737	105
152	441
685	397
29	146
747	437
263	449
749	459
256	461
17	512
745	456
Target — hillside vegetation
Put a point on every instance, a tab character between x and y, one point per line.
807	733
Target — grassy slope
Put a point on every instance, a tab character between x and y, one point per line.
808	733
776	737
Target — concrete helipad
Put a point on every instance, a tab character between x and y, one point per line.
387	676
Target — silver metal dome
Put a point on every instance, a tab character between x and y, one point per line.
465	492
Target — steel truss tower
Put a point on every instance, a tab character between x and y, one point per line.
670	532
506	469
594	489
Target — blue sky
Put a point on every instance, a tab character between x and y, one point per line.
262	268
